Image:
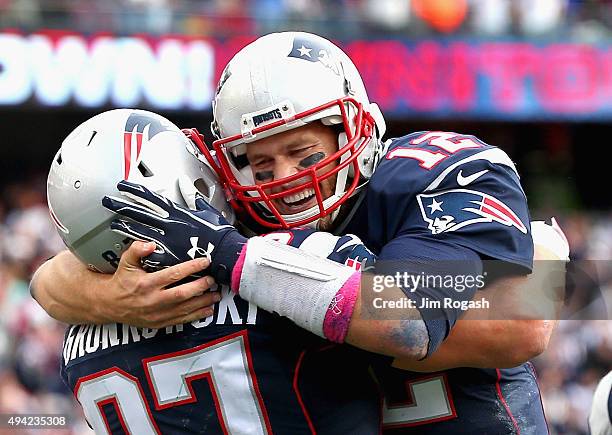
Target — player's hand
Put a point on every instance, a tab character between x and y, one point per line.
155	300
179	233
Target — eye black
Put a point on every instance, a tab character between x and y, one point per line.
263	175
312	159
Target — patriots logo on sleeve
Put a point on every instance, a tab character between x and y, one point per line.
454	209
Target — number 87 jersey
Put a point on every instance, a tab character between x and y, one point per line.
240	371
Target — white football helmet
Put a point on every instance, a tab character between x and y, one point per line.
121	144
280	82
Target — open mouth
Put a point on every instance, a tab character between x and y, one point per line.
297	202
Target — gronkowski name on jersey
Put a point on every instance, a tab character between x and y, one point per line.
239	371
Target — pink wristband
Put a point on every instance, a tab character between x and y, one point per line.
340	311
237	271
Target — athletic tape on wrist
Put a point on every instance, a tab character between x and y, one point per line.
317	294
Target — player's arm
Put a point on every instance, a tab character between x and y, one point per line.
317	294
408	338
485	343
478	343
71	293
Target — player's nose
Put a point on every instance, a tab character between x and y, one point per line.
284	168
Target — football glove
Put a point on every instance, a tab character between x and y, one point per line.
179	233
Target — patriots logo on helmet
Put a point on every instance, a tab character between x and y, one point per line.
224	76
454	209
137	126
313	51
138	123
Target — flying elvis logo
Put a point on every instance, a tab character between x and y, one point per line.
136	126
312	50
457	208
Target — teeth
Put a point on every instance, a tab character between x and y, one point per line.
291	199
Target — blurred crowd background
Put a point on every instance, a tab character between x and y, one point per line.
583	19
580	352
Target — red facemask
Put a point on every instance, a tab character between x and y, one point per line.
258	199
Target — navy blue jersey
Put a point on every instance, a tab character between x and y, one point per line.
451	188
463	194
462	401
240	371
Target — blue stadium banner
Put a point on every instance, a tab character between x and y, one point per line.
504	80
497	80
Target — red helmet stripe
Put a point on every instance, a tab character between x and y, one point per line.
127	150
127	153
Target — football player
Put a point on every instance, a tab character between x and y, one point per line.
299	144
236	371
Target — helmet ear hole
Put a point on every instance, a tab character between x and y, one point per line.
202	187
59	158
